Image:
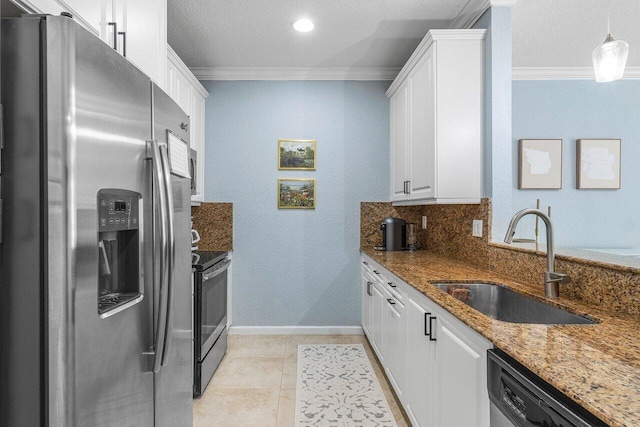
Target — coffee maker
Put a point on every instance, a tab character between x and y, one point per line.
394	234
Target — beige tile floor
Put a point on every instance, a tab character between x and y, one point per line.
255	385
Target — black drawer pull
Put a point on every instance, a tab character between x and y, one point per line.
431	334
426	322
390	301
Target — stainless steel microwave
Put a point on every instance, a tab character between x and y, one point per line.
193	171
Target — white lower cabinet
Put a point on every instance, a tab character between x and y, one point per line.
377	324
461	376
420	360
367	302
436	363
392	323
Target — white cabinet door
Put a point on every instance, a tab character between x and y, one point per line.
393	342
422	142
399	144
461	378
367	303
90	12
87	13
197	132
436	104
190	95
420	360
377	323
145	25
138	28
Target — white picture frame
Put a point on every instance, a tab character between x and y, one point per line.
598	164
540	163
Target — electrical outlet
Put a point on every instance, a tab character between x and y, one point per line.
477	228
424	222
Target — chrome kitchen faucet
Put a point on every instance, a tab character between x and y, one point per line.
551	278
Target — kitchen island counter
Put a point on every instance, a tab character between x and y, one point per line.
598	366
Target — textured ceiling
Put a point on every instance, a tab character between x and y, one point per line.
348	33
563	33
383	33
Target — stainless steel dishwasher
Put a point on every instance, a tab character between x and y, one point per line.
521	398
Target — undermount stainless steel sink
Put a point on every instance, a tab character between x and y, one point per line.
501	303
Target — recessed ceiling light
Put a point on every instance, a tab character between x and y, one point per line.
303	25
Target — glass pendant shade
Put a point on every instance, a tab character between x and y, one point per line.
609	59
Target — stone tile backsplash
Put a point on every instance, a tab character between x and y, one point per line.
448	233
214	222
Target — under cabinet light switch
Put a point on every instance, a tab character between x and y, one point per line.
424	222
477	228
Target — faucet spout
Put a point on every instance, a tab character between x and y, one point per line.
551	278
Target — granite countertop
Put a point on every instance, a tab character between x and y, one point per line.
598	366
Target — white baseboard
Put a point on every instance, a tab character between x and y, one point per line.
295	330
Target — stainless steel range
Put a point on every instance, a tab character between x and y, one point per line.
210	315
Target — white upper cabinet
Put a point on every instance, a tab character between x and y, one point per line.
399	149
436	105
135	28
190	95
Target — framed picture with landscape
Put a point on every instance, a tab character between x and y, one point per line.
296	193
297	154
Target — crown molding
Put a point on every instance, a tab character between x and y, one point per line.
293	73
184	70
565	73
473	10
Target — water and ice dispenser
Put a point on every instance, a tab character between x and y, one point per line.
119	240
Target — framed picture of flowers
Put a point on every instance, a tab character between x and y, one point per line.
296	193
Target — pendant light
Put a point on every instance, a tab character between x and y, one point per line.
610	58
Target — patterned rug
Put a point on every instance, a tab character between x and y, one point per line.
337	388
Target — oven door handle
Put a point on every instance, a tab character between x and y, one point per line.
223	266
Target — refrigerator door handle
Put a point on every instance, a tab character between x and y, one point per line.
159	184
171	253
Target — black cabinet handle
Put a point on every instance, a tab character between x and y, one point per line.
369	289
431	334
390	301
365	262
115	34
426	323
124	42
376	271
392	285
406	187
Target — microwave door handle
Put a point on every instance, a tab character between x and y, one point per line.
171	253
159	195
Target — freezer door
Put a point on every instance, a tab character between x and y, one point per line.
174	381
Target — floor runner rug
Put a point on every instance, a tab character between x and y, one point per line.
337	387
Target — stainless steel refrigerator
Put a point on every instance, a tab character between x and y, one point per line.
95	288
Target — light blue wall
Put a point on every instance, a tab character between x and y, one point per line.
296	267
571	110
497	122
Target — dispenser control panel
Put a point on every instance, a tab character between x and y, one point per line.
118	210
